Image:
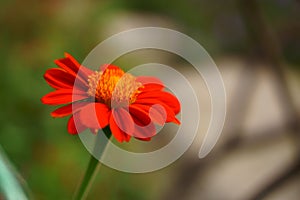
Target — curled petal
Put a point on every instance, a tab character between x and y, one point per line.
95	115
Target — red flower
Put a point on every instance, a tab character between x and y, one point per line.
130	106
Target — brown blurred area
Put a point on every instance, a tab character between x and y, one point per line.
256	46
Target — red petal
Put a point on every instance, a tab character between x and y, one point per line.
95	115
75	129
144	127
124	120
94	131
138	113
71	66
68	63
154	112
167	110
170	113
83	71
63	96
158	115
108	66
58	78
68	109
117	132
144	132
150	83
165	97
149	80
144	139
151	88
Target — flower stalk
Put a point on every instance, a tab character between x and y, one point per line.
92	169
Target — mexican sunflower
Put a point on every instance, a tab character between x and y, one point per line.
129	105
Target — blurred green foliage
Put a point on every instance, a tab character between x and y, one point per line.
34	33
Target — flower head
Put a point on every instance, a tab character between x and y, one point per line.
129	105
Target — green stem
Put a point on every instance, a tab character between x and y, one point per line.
94	164
87	179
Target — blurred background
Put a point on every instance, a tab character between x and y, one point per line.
256	46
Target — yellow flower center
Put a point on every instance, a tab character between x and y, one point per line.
113	87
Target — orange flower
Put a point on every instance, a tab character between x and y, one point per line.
129	105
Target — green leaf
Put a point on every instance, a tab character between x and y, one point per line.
12	186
